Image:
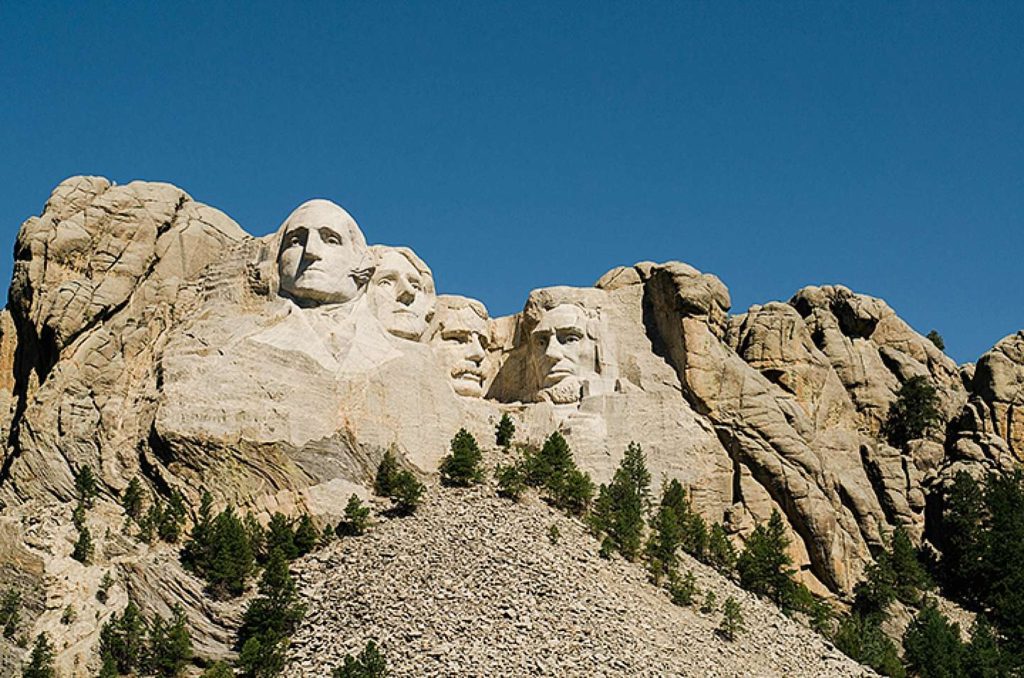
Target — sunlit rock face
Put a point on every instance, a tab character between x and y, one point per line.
149	335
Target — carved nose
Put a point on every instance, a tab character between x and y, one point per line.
476	351
312	248
553	350
406	294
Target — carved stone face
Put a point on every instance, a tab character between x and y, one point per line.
321	253
562	354
460	343
402	295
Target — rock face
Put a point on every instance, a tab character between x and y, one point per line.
149	336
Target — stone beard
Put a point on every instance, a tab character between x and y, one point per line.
402	292
323	256
563	353
460	342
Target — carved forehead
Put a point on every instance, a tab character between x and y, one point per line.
563	316
398	258
319	212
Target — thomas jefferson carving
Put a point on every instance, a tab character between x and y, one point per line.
402	292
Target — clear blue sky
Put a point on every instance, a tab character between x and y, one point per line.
517	145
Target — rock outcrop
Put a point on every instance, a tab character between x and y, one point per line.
148	335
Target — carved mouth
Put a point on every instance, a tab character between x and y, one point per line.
469	375
558	375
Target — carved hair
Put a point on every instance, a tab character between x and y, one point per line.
453	303
378	252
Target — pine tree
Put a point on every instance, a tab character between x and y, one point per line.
505	431
620	507
932	645
721	554
732	619
572	491
307	536
132	499
764	565
911	577
357	518
914	413
864	641
171	518
682	589
961	536
461	468
218	670
83	550
1002	562
281	536
936	339
369	663
40	664
552	461
666	536
511	481
170	646
85	486
406	493
10	615
123	640
196	554
103	591
270	620
387	474
983	656
231	558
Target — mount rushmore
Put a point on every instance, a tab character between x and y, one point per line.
148	335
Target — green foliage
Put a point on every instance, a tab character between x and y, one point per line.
123	640
863	640
572	491
103	591
461	467
170	646
356	520
505	431
554	534
665	539
387	474
962	536
219	550
85	486
218	670
764	565
172	519
731	625
682	589
132	499
83	550
911	577
10	612
40	663
913	414
406	493
511	480
721	554
270	620
369	663
983	656
281	537
710	603
621	505
1001	571
932	646
936	339
69	615
307	536
554	471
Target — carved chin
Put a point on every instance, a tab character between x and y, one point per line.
564	392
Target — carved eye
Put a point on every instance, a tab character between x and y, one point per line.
293	240
385	282
416	286
331	238
570	338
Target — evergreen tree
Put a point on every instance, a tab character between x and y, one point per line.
281	536
231	556
620	507
369	663
40	664
461	468
307	536
406	493
936	339
694	531
721	554
682	589
85	486
123	640
505	431
914	413
387	474
732	619
932	646
132	499
983	656
10	615
710	603
257	535
764	565
356	520
171	519
270	620
218	670
910	576
1001	575
170	646
103	591
961	535
511	481
665	539
572	491
551	462
864	641
83	550
874	594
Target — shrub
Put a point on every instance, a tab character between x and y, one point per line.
40	664
69	615
132	499
270	620
219	550
913	414
218	670
864	641
406	493
682	589
103	591
369	663
356	520
85	486
721	554
511	481
731	625
936	339
764	565
387	474
461	468
554	534
710	603
572	491
505	431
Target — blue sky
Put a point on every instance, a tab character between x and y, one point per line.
518	145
